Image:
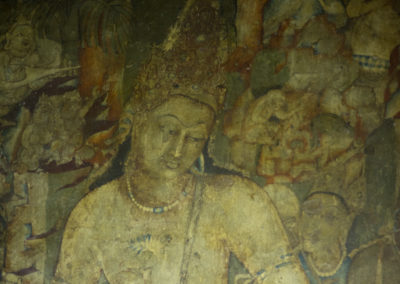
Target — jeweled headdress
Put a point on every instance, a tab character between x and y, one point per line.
188	63
21	21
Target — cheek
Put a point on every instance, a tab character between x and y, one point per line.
310	225
158	145
193	151
155	140
17	41
149	143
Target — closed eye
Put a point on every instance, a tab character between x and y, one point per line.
167	129
195	139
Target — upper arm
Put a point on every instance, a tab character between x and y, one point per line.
79	259
252	224
254	232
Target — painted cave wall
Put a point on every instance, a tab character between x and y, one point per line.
311	104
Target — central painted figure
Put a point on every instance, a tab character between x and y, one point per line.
161	223
165	220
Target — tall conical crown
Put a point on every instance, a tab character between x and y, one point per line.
189	61
21	21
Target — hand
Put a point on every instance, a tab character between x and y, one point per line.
10	278
244	279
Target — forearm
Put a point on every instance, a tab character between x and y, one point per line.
287	275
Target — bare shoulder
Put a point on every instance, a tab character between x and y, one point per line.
242	206
232	187
229	182
95	198
93	204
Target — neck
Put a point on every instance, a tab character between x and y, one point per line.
154	192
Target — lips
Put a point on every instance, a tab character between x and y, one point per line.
171	163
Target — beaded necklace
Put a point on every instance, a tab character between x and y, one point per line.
155	210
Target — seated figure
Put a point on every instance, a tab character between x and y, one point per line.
27	63
17	54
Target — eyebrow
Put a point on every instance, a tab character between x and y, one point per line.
170	115
338	197
173	116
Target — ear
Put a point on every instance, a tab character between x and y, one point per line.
348	223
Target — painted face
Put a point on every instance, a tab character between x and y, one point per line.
324	221
21	41
173	137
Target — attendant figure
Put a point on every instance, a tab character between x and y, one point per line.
324	225
378	262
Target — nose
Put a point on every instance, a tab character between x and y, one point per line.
177	146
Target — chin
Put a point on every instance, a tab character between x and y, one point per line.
165	173
173	174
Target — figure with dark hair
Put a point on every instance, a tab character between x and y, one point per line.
378	261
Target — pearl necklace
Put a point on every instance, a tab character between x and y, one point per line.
155	210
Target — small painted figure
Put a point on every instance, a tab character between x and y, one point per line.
324	226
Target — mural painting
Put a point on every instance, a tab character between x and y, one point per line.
188	141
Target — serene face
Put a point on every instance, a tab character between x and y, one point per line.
172	137
324	223
21	41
